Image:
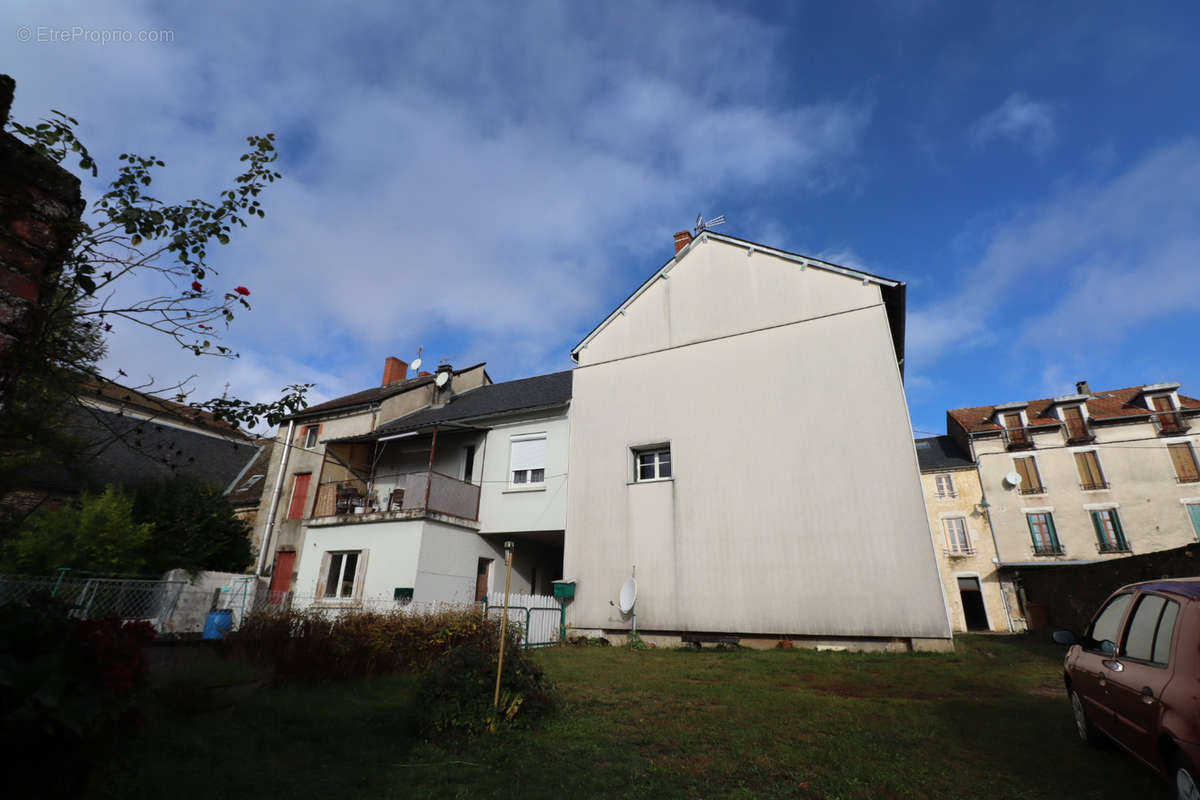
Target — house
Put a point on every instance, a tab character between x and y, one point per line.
245	492
740	437
1086	476
304	479
962	538
447	486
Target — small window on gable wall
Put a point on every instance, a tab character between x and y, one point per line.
945	485
652	463
310	436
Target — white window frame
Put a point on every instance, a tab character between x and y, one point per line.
356	584
311	433
953	546
527	478
951	491
656	450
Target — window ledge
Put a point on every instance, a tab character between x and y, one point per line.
650	480
541	487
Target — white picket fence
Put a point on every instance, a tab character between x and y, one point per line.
538	615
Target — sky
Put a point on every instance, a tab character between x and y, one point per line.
486	181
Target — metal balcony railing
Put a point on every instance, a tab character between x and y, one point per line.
412	492
1048	549
1036	488
1111	547
959	552
1018	438
1078	433
1092	487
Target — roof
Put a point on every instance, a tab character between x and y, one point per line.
104	389
1186	587
941	452
247	487
371	396
1113	404
542	391
893	291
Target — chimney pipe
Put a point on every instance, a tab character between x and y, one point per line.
394	371
1082	388
682	240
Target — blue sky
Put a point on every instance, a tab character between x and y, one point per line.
487	180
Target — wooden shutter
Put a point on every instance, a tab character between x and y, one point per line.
1076	429
1089	469
1184	461
1101	533
299	493
1027	469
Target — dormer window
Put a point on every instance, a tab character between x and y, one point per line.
1167	418
1076	424
1016	434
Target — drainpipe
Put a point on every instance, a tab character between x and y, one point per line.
283	460
987	517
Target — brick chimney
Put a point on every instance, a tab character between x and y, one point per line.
682	240
1082	388
394	371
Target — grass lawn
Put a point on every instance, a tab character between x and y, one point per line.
990	720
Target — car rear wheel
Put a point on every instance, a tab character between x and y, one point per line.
1183	777
1083	726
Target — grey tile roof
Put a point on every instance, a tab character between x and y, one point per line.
370	396
941	452
497	398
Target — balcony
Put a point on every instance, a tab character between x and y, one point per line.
1170	423
1093	487
1048	549
1018	438
1113	547
414	494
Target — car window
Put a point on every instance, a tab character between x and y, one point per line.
1139	639
1166	627
1107	626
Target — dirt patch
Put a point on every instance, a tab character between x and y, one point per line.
1055	690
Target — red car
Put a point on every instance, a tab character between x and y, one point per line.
1134	677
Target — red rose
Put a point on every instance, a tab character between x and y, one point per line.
196	287
242	290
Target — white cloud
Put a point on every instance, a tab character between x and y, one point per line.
1021	120
469	180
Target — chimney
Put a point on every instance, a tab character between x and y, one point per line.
423	374
394	371
1082	388
682	240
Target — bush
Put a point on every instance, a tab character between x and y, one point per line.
194	527
67	691
312	645
456	693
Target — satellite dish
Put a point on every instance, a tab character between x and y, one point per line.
1013	479
628	595
442	378
416	363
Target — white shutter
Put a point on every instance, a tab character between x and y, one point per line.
528	453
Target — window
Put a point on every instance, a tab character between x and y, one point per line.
1015	434
1168	419
1031	479
1109	535
341	574
652	464
1090	476
945	486
1193	510
299	495
468	462
957	542
1077	429
310	436
1045	538
1184	460
527	460
1150	629
1107	626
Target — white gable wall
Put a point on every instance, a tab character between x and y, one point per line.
796	504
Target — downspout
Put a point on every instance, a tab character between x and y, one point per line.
283	460
987	517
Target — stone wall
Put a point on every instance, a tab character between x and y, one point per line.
1072	593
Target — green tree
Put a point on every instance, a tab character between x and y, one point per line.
97	532
194	527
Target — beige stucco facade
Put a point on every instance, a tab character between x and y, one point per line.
1142	487
961	498
795	504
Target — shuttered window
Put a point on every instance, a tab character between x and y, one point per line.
1031	481
1045	538
1109	534
1090	476
1183	458
527	460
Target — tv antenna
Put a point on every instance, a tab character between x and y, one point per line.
416	364
702	226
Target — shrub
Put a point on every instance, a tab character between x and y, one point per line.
194	527
314	645
456	693
66	692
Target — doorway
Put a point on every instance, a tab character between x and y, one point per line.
974	613
281	576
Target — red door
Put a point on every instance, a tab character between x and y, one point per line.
299	494
281	576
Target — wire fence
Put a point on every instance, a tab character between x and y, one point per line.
92	597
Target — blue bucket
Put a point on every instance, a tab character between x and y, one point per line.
218	623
